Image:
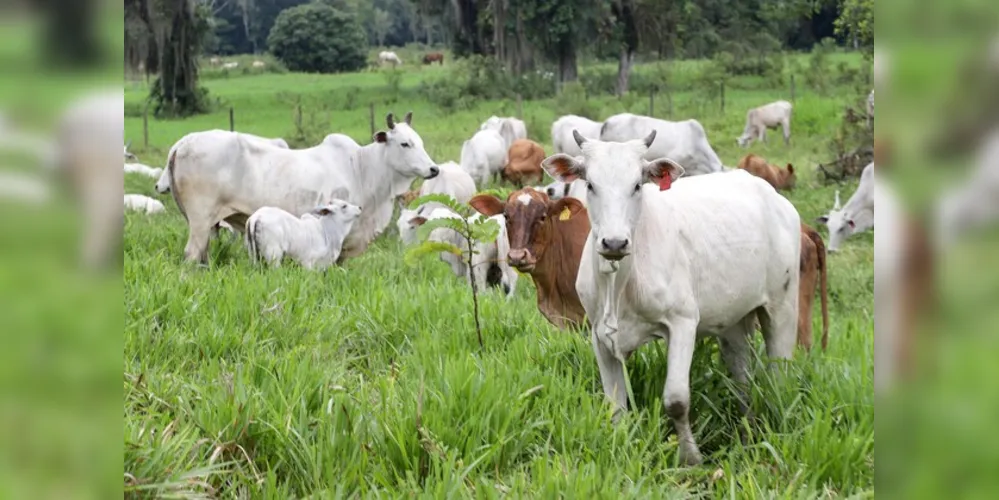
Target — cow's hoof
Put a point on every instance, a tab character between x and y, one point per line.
690	456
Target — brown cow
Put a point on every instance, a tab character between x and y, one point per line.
433	57
546	241
813	272
524	162
779	178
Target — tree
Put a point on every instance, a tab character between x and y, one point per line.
856	21
317	38
557	27
624	16
381	24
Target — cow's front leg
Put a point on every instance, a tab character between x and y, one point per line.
676	395
611	373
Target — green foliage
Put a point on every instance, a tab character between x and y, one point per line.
857	21
316	38
393	81
479	77
818	70
573	100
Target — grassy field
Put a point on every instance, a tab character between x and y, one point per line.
368	380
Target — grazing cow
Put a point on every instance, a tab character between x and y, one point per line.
777	177
546	241
138	168
163	183
215	61
813	273
484	155
314	240
433	57
683	142
524	162
219	175
856	217
259	64
562	133
231	65
387	56
489	263
768	116
510	129
705	256
140	203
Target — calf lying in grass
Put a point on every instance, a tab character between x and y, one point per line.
140	203
314	240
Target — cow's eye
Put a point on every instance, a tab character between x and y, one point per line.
638	187
589	187
405	144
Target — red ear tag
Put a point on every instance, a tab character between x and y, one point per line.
665	182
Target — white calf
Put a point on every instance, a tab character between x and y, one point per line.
758	120
140	203
314	240
138	168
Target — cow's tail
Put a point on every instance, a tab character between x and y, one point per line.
252	224
820	248
172	170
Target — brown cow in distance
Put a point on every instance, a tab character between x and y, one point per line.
780	179
433	57
813	272
524	163
546	241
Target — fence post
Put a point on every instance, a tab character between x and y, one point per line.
669	102
298	117
232	119
722	96
793	90
652	101
520	106
371	117
145	127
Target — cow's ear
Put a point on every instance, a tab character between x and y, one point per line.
790	168
822	219
487	204
565	209
418	220
564	168
381	136
655	170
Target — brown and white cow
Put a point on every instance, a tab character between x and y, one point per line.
546	241
524	163
780	179
813	272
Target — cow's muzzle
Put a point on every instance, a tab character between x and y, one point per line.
614	249
434	171
521	259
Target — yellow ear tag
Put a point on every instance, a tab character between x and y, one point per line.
565	214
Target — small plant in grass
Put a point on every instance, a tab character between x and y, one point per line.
473	232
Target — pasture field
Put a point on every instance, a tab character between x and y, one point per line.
367	380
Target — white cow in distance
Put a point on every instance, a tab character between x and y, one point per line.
313	240
706	257
140	203
163	183
562	128
769	116
856	216
230	65
259	64
683	142
387	56
510	129
484	155
218	175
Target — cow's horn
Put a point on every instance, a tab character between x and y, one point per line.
650	138
836	204
409	118
579	138
390	120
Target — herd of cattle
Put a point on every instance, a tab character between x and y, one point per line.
643	234
387	57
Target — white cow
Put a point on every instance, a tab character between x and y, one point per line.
562	133
856	217
314	240
509	128
230	65
387	56
140	203
163	183
683	142
259	64
974	204
768	116
138	168
219	175
489	265
453	181
484	155
704	258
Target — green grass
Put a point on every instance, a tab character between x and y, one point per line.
368	380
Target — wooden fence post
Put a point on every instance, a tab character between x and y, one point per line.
722	96
232	119
669	103
371	117
652	102
145	127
